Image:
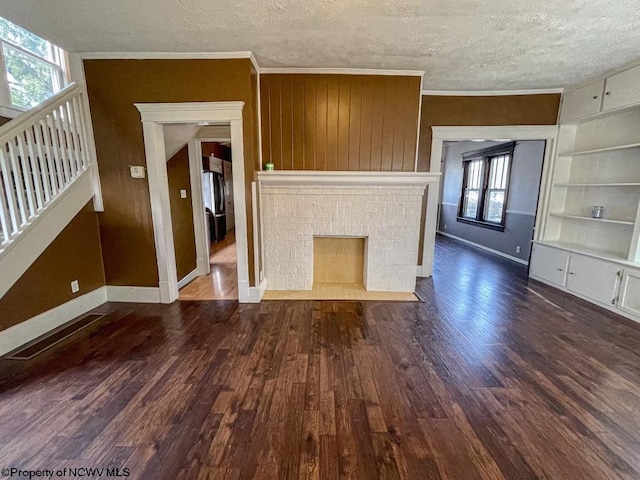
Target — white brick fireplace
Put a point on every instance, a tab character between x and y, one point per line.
384	208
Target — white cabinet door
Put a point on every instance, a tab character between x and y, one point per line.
549	264
593	278
622	89
582	102
629	299
228	194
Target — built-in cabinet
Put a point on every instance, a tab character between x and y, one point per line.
616	92
596	164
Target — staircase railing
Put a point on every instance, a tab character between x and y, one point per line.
42	152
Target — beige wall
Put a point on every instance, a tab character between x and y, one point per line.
184	237
75	254
339	122
114	86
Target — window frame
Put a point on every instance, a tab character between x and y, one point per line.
59	66
485	155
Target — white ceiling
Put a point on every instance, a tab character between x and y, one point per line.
461	44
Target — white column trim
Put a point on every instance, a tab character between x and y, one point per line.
153	116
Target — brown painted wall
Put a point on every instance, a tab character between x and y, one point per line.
482	111
184	237
114	86
74	255
339	122
217	150
4	120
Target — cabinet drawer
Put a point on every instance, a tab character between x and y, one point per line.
629	299
622	89
582	102
593	278
549	264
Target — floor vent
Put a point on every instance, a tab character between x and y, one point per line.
31	350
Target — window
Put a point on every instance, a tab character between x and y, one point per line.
33	67
485	186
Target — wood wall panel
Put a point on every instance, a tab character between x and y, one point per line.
339	122
114	86
482	111
74	254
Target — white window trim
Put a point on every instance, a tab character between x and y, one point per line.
7	108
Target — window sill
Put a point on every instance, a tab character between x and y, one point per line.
10	112
490	226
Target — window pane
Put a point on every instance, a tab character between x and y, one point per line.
498	173
30	81
470	203
27	40
495	204
474	174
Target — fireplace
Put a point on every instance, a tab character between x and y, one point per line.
375	213
339	261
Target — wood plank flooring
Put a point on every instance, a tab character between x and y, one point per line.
222	282
493	377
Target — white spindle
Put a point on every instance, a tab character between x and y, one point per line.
19	184
41	153
9	193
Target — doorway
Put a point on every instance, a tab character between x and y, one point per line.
154	116
216	196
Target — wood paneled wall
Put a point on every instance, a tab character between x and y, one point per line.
339	122
75	254
483	111
114	86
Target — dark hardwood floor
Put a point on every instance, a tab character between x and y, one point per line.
492	377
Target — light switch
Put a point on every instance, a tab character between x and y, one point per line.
75	286
183	194
137	171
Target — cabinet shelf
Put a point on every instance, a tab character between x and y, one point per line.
593	252
591	219
625	184
599	150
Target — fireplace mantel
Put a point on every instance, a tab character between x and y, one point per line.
318	178
384	208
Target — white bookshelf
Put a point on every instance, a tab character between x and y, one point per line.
597	162
599	165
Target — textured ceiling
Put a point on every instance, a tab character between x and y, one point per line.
461	44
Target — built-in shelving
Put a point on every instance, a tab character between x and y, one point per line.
591	219
600	150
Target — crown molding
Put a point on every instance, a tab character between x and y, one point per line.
342	71
491	93
165	55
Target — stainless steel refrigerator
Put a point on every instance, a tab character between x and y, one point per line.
213	193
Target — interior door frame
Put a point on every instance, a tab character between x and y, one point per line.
441	134
154	116
203	266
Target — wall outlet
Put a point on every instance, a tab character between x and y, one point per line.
75	286
183	194
136	171
518	249
445	226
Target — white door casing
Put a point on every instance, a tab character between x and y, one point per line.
510	132
153	116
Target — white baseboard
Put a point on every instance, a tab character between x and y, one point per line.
25	332
256	293
487	249
133	294
189	278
